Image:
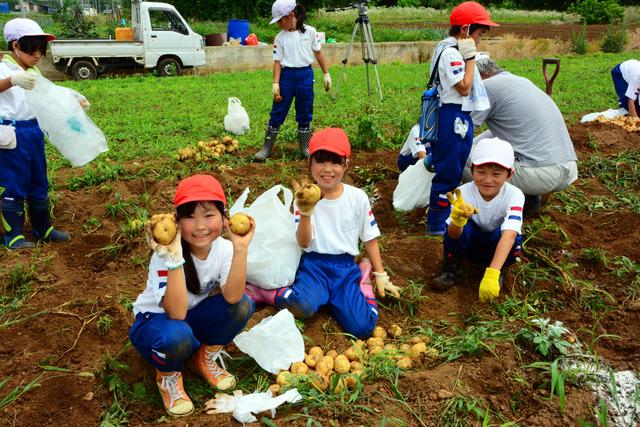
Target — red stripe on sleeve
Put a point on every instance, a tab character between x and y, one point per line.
162	273
516	208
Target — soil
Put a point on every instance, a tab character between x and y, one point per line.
76	283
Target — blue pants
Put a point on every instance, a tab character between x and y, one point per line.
449	153
477	245
294	83
406	160
621	87
167	343
335	280
23	170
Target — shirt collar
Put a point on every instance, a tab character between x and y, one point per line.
8	59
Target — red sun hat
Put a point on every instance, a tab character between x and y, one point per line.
470	12
199	188
334	140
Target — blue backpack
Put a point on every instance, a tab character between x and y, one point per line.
430	107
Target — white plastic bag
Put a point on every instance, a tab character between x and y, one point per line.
65	123
237	120
414	186
274	254
275	343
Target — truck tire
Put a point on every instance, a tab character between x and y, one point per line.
84	70
169	67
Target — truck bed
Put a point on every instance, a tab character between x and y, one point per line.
91	48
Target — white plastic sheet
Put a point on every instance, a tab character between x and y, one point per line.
608	114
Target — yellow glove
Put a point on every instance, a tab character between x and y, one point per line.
384	284
489	286
307	196
461	211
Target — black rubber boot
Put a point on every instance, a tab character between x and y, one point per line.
532	205
304	137
269	139
13	224
40	217
450	275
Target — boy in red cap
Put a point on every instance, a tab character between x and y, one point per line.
461	91
193	305
329	231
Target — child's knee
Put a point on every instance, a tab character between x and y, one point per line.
178	342
299	308
363	326
242	311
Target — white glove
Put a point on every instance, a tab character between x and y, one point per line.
384	284
276	89
171	253
327	82
467	48
26	81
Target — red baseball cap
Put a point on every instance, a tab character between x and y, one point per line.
470	12
334	140
199	188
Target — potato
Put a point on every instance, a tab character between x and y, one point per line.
317	351
394	330
351	354
379	332
420	338
312	360
323	367
390	347
275	389
284	378
432	354
311	193
356	366
350	381
404	363
375	342
227	138
319	380
374	350
240	224
406	348
299	368
164	228
328	360
341	364
417	350
332	353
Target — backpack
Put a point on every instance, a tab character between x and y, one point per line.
430	107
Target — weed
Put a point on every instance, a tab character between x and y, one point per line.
14	394
95	174
126	303
595	255
556	382
412	296
91	225
464	410
547	338
104	324
615	40
472	340
579	42
602	412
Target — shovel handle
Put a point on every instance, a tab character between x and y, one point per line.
547	79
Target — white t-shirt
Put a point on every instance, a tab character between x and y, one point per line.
295	49
451	69
631	74
413	145
13	105
504	210
212	273
338	225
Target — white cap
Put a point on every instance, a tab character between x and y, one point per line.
20	27
281	8
493	150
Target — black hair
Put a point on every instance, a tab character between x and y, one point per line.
455	29
301	16
30	44
322	156
190	273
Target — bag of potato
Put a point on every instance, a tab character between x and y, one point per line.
274	254
237	120
414	186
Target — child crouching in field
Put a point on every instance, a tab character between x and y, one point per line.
626	80
486	219
193	305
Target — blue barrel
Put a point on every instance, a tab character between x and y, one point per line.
238	29
4	7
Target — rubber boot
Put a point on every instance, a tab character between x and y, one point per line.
449	276
532	205
436	217
365	278
304	137
269	139
40	217
259	295
13	224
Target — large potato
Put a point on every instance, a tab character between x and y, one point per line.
164	228
341	364
240	224
311	193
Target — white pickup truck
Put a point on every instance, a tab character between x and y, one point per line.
162	40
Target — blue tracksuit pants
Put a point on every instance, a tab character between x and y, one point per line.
167	343
621	87
449	153
23	170
477	245
334	280
294	83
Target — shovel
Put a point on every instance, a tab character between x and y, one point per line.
549	81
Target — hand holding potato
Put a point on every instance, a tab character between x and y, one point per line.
240	228
307	196
163	237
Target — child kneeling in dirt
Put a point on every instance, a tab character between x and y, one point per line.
486	219
329	231
193	305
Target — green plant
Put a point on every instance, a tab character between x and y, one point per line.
369	135
104	324
547	338
598	11
14	394
579	41
615	40
71	18
556	381
91	225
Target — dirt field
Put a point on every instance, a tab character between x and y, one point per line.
75	284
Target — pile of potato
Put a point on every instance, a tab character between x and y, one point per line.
320	367
630	124
209	150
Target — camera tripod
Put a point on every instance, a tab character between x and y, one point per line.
366	45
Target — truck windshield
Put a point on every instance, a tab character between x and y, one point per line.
165	20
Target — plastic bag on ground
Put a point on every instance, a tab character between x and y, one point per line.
244	406
608	114
237	120
274	254
275	343
414	186
65	123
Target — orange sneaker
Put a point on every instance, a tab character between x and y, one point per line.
175	399
204	363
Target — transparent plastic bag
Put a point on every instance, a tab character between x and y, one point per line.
65	123
414	186
237	120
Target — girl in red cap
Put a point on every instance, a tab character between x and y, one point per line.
461	91
193	305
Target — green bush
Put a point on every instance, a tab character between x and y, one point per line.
615	40
598	11
579	41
